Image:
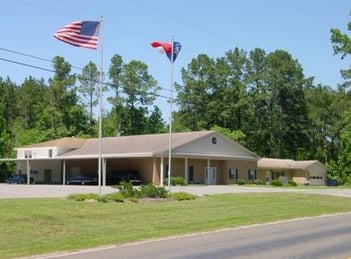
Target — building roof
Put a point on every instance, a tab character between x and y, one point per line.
137	144
284	164
191	144
272	163
71	143
306	164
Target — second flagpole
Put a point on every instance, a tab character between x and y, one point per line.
170	116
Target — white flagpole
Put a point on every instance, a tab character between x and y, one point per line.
170	118
100	107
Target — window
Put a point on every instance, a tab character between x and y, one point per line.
251	174
233	173
27	154
50	152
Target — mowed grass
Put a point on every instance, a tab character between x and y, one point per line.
38	226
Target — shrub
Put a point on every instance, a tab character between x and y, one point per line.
151	191
103	199
292	183
258	182
116	196
240	181
276	182
127	190
182	196
177	180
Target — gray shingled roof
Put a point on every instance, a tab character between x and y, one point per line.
284	164
71	143
137	144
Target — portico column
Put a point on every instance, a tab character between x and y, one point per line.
28	172
64	172
186	167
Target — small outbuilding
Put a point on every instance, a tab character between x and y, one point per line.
310	172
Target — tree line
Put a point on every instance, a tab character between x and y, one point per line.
262	100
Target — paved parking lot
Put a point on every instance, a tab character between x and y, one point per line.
48	191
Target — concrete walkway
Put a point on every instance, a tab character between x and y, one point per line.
49	191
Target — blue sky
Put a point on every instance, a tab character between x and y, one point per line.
301	27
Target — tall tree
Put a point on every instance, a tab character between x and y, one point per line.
63	115
234	96
89	80
259	136
194	95
115	73
140	90
8	113
155	123
288	106
342	45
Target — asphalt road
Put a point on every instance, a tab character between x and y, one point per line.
318	237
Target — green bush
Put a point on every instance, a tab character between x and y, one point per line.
276	182
127	190
258	182
182	196
177	180
151	191
103	199
116	196
292	183
240	181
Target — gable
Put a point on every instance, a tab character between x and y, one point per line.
215	145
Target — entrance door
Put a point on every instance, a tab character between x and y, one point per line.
211	175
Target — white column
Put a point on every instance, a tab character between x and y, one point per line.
28	172
64	172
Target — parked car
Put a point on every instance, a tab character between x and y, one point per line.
81	179
19	179
117	177
332	182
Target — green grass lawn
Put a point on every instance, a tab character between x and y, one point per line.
37	226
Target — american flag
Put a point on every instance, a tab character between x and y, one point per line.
80	34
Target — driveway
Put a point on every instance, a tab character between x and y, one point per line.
50	191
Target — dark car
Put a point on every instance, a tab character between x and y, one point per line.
81	179
124	176
19	179
332	182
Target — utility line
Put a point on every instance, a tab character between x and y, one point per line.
31	56
52	71
27	65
